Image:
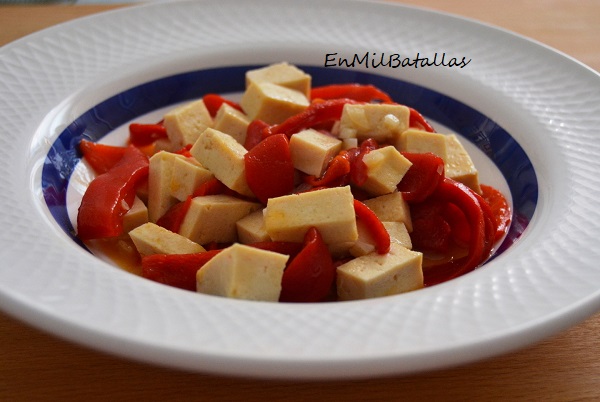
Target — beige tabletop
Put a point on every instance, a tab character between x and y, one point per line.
566	367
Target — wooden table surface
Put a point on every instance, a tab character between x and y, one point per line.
566	367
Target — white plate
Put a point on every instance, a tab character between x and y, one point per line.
548	280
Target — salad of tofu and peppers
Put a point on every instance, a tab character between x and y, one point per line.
293	193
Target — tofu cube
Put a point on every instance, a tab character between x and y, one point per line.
213	218
272	103
391	208
385	168
251	228
398	234
160	198
284	74
187	175
224	157
379	121
312	151
185	123
231	121
378	275
420	142
153	239
330	210
136	216
459	165
243	272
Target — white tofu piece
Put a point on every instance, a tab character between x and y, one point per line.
186	176
213	218
153	239
331	211
231	121
243	272
420	142
312	151
459	165
385	168
382	122
251	228
284	74
224	157
272	103
185	123
378	275
136	216
391	208
398	234
160	198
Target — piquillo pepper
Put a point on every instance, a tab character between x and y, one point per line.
357	92
110	195
146	134
310	275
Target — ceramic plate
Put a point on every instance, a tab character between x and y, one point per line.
528	113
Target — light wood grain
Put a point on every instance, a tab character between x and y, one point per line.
38	366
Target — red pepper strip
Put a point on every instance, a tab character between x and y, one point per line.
173	218
335	174
210	187
416	120
101	157
255	133
146	134
185	151
269	168
459	226
358	170
110	195
311	274
500	210
213	103
357	92
282	247
431	231
422	178
316	113
178	270
464	198
372	222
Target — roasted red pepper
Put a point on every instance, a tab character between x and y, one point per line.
110	195
423	177
318	112
431	231
269	168
500	210
178	270
357	92
310	275
416	120
210	187
174	217
375	226
145	134
213	103
101	157
480	232
336	172
358	171
255	133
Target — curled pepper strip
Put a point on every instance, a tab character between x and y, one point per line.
422	178
213	103
101	157
335	174
416	120
357	92
375	226
110	195
317	113
174	217
481	231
